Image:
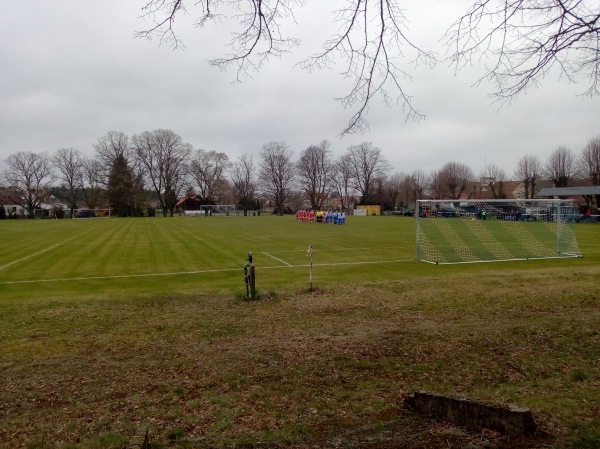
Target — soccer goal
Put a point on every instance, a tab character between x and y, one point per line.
455	231
211	210
92	213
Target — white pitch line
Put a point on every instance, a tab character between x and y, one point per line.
343	263
183	273
28	257
277	259
339	249
120	276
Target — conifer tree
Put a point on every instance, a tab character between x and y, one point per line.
120	190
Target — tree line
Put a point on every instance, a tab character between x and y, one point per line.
157	168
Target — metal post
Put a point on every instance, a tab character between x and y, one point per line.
557	207
418	224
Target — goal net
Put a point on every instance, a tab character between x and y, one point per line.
91	213
210	210
454	231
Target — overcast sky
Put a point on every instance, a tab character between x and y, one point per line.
71	71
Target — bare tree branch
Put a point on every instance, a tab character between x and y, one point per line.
371	41
162	26
523	39
372	37
526	39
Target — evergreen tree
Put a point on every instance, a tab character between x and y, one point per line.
120	189
2	212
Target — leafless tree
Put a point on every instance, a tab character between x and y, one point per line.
277	172
589	161
367	164
379	193
407	197
29	176
68	162
455	178
208	169
341	181
560	167
243	178
393	187
314	173
418	185
526	39
164	157
111	146
528	171
436	186
589	165
225	190
494	178
92	182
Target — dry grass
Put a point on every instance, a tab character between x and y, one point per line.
327	368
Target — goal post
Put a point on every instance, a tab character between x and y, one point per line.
468	231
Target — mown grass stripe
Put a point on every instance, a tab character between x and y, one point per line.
140	246
28	257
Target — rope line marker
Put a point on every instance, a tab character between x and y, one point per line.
189	273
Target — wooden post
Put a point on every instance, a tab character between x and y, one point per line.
252	283
247	280
310	276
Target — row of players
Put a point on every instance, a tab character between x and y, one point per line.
321	216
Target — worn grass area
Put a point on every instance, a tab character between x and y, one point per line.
92	365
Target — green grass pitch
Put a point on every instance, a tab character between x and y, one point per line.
186	254
133	256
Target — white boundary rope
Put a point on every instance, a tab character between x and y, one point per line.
188	273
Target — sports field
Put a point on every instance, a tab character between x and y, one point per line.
197	253
113	326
